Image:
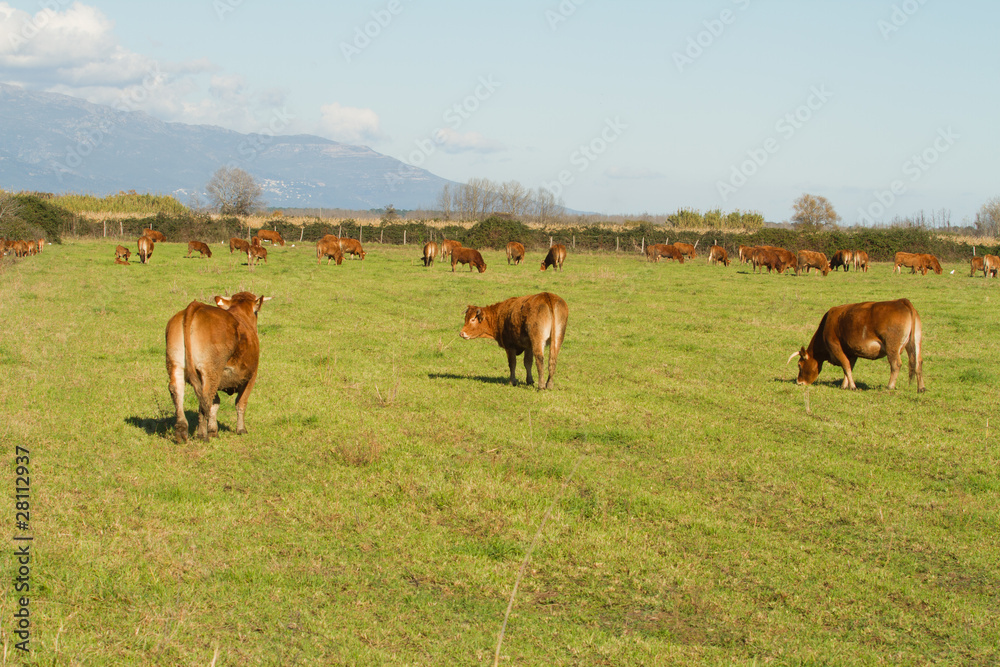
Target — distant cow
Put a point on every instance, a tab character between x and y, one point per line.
762	257
842	258
686	249
976	264
119	260
515	253
213	348
718	254
329	247
254	240
41	244
257	253
861	261
654	251
555	257
917	262
744	252
157	237
199	247
522	324
238	244
813	260
145	245
788	258
121	252
869	330
991	265
447	246
352	247
467	256
269	235
430	250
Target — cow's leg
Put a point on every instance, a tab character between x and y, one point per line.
895	363
538	352
176	385
242	398
208	396
213	418
512	362
530	359
846	363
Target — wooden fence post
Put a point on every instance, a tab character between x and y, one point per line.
404	237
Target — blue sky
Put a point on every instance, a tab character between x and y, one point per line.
885	108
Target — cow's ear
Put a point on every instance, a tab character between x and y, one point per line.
803	353
479	314
222	302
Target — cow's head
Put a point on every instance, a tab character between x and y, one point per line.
245	302
936	265
543	266
808	367
474	325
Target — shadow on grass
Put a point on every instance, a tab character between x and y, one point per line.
477	378
835	384
163	426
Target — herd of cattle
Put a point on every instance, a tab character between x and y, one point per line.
21	248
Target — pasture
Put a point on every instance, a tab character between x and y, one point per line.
706	509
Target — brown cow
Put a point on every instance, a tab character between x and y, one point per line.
813	260
21	249
119	260
257	253
718	254
255	241
272	236
515	253
430	250
213	349
787	257
976	264
762	256
352	247
841	258
522	324
238	244
861	261
744	251
869	330
157	237
201	248
656	250
467	256
685	249
122	251
991	266
145	245
41	244
555	257
447	246
329	247
916	262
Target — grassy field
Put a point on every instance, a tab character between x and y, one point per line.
706	509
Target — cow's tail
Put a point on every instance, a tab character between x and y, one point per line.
191	373
914	345
559	319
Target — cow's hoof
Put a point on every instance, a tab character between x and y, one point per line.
181	432
550	385
241	431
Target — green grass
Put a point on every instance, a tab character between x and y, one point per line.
391	483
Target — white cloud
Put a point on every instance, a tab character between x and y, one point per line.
452	141
349	124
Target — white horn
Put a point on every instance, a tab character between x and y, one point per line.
794	354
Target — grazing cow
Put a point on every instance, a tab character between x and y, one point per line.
145	245
976	264
917	262
841	258
656	250
467	256
991	266
447	246
272	236
766	257
522	324
744	252
718	254
813	260
41	244
157	237
213	348
515	252
861	261
430	250
122	251
352	247
555	257
685	249
238	244
201	248
257	253
329	247
21	249
787	257
256	241
869	330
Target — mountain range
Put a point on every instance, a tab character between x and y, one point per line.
57	143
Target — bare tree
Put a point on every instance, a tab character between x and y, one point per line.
988	218
444	202
9	205
234	192
546	205
814	213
